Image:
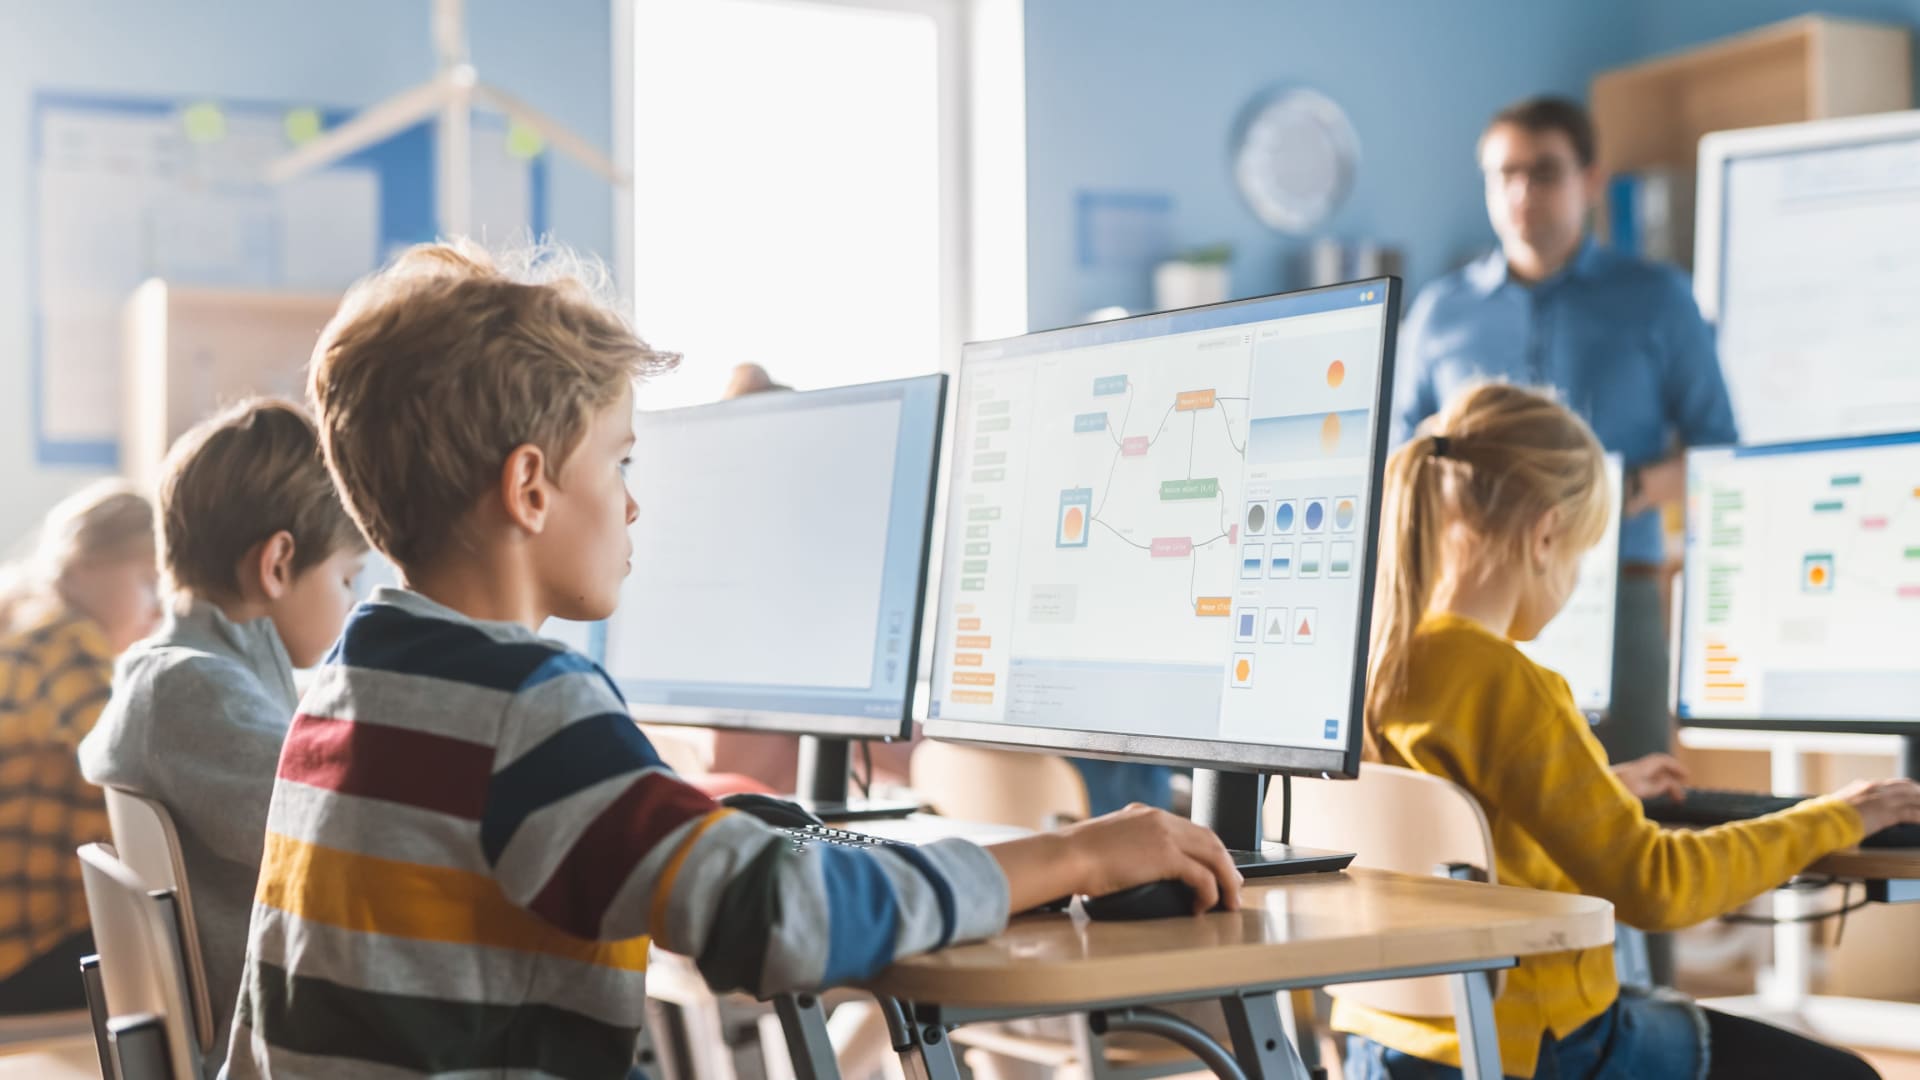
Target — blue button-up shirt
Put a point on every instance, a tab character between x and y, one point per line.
1620	339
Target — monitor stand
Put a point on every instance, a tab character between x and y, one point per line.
824	765
1230	804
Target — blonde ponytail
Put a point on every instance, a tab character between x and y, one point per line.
1492	463
102	522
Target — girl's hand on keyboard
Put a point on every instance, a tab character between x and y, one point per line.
1653	776
1882	803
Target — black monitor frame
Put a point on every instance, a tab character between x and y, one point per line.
1212	754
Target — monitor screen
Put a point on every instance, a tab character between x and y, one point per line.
1578	643
1802	601
780	559
1807	262
1160	533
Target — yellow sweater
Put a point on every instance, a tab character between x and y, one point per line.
1481	714
54	679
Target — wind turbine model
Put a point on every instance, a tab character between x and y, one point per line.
451	94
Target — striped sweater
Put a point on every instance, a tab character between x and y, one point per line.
470	845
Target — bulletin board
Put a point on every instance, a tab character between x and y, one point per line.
124	189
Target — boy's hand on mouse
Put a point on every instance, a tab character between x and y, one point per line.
1140	844
1118	851
1882	803
1652	776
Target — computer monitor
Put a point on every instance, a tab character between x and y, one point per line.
1802	600
780	565
1160	536
1804	257
1578	643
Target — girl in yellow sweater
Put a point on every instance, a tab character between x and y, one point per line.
1487	513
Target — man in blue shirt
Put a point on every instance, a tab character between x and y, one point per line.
1620	339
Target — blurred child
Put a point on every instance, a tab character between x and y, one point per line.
86	593
260	558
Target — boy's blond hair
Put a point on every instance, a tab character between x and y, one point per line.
236	479
438	366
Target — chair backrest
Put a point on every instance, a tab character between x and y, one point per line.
680	748
149	845
97	1012
999	787
140	1048
139	944
1395	819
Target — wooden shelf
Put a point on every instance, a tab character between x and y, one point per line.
1651	116
1653	113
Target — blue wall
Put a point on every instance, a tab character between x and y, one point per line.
556	55
1144	95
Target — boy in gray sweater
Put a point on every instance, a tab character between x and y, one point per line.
260	557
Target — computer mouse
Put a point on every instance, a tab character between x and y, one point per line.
1153	900
777	812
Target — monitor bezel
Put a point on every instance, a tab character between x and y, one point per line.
827	725
1803	725
1341	763
1616	462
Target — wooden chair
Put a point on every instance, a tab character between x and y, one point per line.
145	839
142	977
1395	819
999	787
1032	791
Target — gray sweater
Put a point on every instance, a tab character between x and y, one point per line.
197	717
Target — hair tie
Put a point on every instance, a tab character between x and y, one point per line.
1441	444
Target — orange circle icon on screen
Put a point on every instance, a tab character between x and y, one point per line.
1330	433
1336	374
1816	574
1243	670
1074	524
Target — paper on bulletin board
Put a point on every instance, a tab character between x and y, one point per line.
127	189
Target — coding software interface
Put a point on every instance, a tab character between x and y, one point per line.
1803	582
1158	527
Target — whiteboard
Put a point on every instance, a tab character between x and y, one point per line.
1807	261
126	189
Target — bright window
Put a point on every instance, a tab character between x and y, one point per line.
796	193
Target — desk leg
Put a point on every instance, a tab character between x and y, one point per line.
807	1042
1473	1019
925	1051
1259	1038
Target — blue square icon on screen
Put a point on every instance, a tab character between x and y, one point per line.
1333	729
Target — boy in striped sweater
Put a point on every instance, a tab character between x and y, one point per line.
470	843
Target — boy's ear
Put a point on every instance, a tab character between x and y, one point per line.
524	490
273	566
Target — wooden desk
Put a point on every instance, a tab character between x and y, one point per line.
1871	865
1891	875
1308	931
